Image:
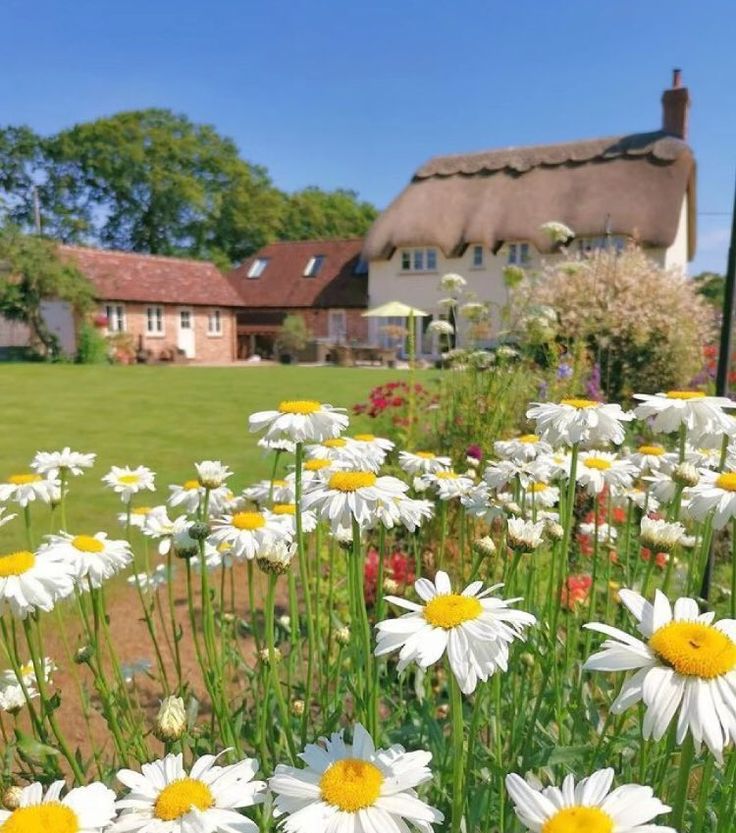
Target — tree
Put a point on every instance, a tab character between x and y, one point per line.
314	214
31	272
712	287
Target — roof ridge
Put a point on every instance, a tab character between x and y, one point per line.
142	255
311	240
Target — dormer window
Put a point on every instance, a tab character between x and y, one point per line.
314	265
419	260
361	267
258	267
518	254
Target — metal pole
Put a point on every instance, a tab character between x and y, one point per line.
724	361
724	356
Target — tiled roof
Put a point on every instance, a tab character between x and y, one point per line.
127	276
283	284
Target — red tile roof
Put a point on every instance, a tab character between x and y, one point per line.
283	284
127	276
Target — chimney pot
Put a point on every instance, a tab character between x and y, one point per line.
675	107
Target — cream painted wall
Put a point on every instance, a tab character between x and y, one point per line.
676	255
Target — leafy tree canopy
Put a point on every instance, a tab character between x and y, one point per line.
711	286
32	272
154	181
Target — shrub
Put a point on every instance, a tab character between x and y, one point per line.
642	324
91	346
293	335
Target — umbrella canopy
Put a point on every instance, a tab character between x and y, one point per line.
395	309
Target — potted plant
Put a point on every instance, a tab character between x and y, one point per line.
292	338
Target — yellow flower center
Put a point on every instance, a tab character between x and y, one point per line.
284	509
599	463
727	481
299	406
317	464
425	455
651	450
351	481
580	404
684	394
336	442
248	520
528	438
86	543
52	817
351	785
279	484
452	610
539	487
447	475
191	485
16	563
140	510
694	649
364	438
128	479
177	799
579	820
23	479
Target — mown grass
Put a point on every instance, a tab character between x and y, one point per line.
162	417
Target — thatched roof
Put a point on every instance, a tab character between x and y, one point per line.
631	185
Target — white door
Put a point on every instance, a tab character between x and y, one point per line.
337	326
185	334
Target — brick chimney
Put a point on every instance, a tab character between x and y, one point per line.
675	106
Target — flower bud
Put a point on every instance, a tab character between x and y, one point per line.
11	798
199	530
171	720
390	586
342	635
685	474
527	659
83	655
264	656
275	558
554	531
297	708
484	547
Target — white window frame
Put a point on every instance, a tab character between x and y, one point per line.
258	267
155	315
477	256
214	322
518	254
422	260
314	266
115	314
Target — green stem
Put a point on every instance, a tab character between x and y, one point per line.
683	779
458	757
273	668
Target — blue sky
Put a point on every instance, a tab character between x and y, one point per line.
340	93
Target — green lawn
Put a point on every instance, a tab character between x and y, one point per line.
162	417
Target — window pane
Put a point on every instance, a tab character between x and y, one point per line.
524	252
477	255
512	253
431	259
418	260
406	261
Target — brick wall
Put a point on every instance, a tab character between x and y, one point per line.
318	323
207	348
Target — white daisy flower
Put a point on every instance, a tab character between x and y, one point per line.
31	582
686	664
641	498
138	515
423	462
25	488
280	444
160	527
541	494
150	582
50	463
188	496
6	519
524	535
287	511
300	420
349	495
522	449
93	559
661	485
28	674
659	535
579	420
128	482
700	414
589	806
449	484
370	447
13	698
598	469
278	491
479	503
651	457
212	473
165	798
334	449
715	493
606	533
473	627
354	787
247	532
403	510
87	809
